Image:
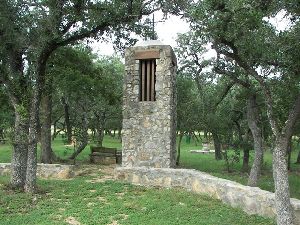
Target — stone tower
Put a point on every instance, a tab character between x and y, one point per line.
149	106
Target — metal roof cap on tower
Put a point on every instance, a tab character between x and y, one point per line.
148	43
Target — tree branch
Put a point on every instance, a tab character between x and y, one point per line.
225	92
84	34
232	77
252	72
13	98
292	118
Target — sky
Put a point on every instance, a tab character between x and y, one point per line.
167	33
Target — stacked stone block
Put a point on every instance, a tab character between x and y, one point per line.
149	127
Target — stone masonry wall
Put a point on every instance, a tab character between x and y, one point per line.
252	200
55	171
149	127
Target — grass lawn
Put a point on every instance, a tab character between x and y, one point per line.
207	163
78	201
88	200
202	162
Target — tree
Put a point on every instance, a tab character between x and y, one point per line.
6	117
66	72
191	51
47	155
244	39
187	108
30	32
108	89
192	48
252	119
91	89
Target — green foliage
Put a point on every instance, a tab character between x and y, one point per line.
89	86
207	163
245	39
6	112
187	106
231	158
211	106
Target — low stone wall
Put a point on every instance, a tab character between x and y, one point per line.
55	171
252	200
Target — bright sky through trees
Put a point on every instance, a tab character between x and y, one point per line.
167	33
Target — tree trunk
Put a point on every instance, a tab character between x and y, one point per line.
217	144
83	138
243	144
252	117
280	173
298	158
289	154
100	137
17	95
20	151
195	138
205	136
282	134
2	136
120	134
67	120
79	149
178	148
246	157
100	128
285	213
200	138
46	111
30	185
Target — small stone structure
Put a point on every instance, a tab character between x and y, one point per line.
252	200
149	106
149	135
55	171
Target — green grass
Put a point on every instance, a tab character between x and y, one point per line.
202	162
207	163
62	150
103	203
5	153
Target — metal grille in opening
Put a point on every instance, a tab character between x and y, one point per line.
147	80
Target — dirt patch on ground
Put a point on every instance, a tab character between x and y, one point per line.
71	220
99	173
114	222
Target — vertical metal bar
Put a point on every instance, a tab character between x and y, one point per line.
148	79
153	80
140	80
143	80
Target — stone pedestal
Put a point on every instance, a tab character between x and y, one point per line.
149	126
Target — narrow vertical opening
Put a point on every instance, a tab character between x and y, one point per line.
147	80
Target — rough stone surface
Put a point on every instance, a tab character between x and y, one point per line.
149	127
103	159
55	171
252	200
